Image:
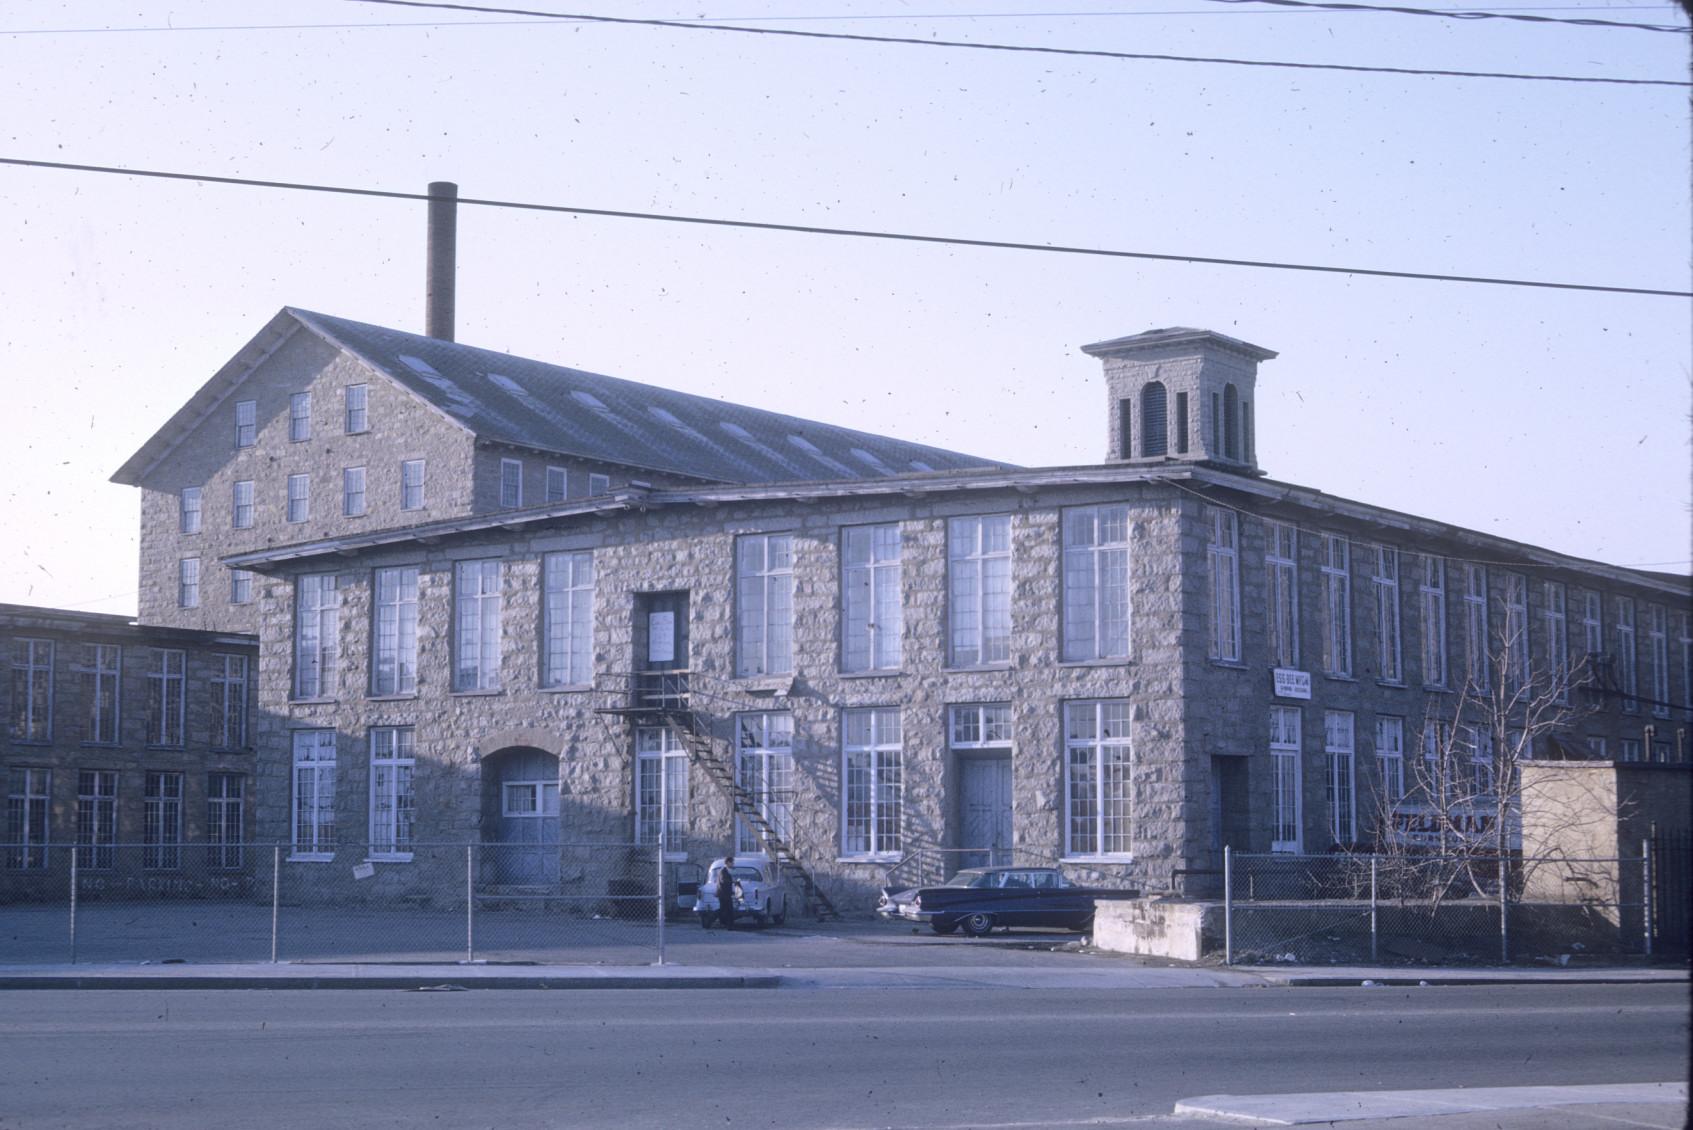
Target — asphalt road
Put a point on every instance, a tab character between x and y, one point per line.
792	1058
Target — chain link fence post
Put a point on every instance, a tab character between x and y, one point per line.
1228	905
275	896
1373	947
1504	915
470	904
73	906
659	903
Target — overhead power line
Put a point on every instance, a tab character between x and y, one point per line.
960	44
1447	13
852	233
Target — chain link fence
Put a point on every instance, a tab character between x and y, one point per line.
1434	909
552	903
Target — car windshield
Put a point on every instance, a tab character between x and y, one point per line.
742	871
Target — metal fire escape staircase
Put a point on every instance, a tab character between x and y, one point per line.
664	698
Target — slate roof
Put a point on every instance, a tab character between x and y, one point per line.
502	398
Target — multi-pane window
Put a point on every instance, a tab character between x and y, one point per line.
1281	592
240	586
568	619
314	795
96	818
871	612
981	727
300	417
1222	557
511	482
1285	774
1479	741
393	653
166	696
188	510
1516	630
299	498
161	822
476	626
411	484
1657	652
661	788
979	590
1629	749
1096	583
873	787
1592	623
352	492
1337	605
225	820
1385	582
1098	778
29	793
1686	641
1433	593
241	505
599	484
1342	792
393	754
229	699
32	690
764	584
558	484
1557	639
246	422
358	409
764	768
188	583
102	679
1475	626
1628	671
1390	757
317	631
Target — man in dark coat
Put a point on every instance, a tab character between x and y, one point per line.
726	893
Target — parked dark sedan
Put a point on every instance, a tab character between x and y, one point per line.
977	900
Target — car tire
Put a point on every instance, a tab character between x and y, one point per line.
976	925
780	919
944	926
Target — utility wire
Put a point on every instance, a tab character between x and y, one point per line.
1016	47
1446	13
854	233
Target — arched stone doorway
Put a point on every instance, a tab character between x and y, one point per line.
520	816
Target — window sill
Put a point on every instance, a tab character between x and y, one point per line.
1115	661
233	750
404	696
33	741
893	673
173	747
388	857
1227	664
986	668
477	693
568	688
1393	684
1436	688
1334	678
1108	858
311	857
880	859
312	701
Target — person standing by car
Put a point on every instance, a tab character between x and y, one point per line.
726	893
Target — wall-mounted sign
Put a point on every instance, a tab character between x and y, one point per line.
1292	684
661	637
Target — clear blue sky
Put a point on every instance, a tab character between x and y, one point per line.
1554	417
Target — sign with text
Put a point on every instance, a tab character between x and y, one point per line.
1291	683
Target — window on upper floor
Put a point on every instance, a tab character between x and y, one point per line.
979	590
1154	419
300	417
599	484
167	679
241	505
1222	557
299	498
1476	654
1336	573
1385	583
1515	627
32	690
764	588
246	422
393	652
1628	670
872	613
188	583
476	626
1096	583
511	483
411	484
558	484
240	586
1657	653
357	409
188	511
1433	607
102	684
1281	592
229	701
1557	640
352	492
568	619
317	631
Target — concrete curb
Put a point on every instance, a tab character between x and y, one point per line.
445	983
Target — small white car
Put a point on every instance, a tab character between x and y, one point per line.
758	896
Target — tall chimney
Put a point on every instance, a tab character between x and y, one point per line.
443	258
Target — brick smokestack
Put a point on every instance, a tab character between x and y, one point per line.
443	259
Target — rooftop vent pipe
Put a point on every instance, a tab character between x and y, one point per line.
443	259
